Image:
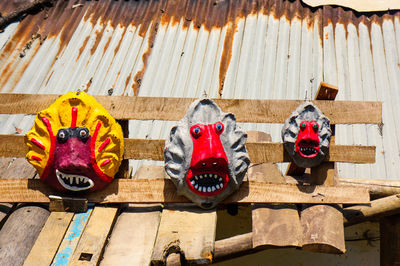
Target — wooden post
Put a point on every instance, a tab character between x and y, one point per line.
273	224
323	229
390	240
19	234
22	227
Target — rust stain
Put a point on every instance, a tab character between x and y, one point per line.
126	83
82	48
156	17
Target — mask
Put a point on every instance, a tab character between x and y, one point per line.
205	155
75	144
306	135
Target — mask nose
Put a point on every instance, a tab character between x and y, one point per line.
73	156
208	151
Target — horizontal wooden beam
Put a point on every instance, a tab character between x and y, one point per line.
378	188
153	149
163	190
173	109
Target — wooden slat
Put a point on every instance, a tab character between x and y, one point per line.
50	237
137	227
91	244
13	146
146	218
189	230
72	236
173	109
160	190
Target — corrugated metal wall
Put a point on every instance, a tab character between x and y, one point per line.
231	49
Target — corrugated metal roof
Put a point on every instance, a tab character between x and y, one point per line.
231	49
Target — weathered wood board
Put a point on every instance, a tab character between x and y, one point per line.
173	109
93	239
71	239
146	218
186	230
163	190
19	234
49	239
133	236
153	149
318	237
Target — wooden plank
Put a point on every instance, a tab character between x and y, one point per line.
276	225
71	239
378	188
137	227
153	149
326	92
324	174
19	234
317	236
272	224
50	237
186	230
146	218
160	190
19	168
173	109
93	239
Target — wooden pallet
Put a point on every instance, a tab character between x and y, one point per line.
178	231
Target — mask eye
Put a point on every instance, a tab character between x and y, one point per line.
303	126
315	127
62	136
83	134
196	131
219	127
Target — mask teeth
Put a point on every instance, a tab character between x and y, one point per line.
74	182
207	183
308	151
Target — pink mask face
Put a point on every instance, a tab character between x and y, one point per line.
306	135
208	174
70	155
205	155
307	143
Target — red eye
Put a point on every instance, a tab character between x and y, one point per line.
303	126
219	127
195	131
315	126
